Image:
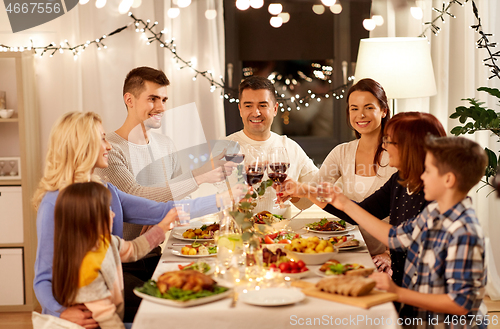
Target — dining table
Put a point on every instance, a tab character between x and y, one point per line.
311	312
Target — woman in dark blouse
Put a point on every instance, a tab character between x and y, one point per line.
401	197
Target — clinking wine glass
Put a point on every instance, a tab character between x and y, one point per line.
234	152
278	165
255	166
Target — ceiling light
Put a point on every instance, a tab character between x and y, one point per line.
318	9
183	3
242	4
100	3
417	12
379	20
285	17
369	24
336	8
173	12
328	3
276	21
275	8
210	13
256	4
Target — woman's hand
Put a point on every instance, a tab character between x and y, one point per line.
80	315
384	282
338	199
291	188
383	263
214	170
168	222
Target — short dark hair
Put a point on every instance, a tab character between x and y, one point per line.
464	158
256	83
134	82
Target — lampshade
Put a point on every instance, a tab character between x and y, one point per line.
402	66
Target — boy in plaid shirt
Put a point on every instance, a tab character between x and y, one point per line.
444	242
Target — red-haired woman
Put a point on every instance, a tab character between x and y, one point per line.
402	196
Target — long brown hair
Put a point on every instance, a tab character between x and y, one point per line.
409	130
81	222
374	88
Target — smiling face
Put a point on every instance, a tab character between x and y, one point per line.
365	114
434	183
257	110
148	107
102	158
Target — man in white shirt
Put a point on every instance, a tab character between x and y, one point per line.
258	107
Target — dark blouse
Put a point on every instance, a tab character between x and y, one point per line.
391	200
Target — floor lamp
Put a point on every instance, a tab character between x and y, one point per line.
402	66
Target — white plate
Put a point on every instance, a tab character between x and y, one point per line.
272	297
361	244
188	303
318	272
295	276
177	233
170	267
177	252
348	227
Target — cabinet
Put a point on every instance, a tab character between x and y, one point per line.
19	137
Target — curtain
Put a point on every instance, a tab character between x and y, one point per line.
459	71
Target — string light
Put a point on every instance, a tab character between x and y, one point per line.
482	42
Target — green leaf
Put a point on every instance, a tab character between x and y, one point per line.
463	118
455	115
456	130
492	91
492	158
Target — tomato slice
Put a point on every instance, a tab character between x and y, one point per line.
183	267
273	236
268	240
285	241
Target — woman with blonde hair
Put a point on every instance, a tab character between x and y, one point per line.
78	145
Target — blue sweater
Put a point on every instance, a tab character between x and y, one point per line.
127	208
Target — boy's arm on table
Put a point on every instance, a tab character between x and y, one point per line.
439	303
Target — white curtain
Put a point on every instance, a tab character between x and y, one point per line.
94	81
459	71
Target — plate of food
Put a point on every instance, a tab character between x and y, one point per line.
177	252
276	259
204	232
182	289
334	267
281	237
197	249
200	266
326	226
273	296
346	242
266	222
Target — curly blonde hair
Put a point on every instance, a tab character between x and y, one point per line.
74	145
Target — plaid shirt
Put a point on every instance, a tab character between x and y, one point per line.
445	256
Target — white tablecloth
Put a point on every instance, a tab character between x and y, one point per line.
311	312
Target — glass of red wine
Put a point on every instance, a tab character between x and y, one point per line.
255	166
278	165
234	152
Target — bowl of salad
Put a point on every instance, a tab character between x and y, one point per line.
266	222
281	237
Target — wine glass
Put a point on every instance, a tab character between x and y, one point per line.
325	190
12	165
234	152
278	165
255	166
2	164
